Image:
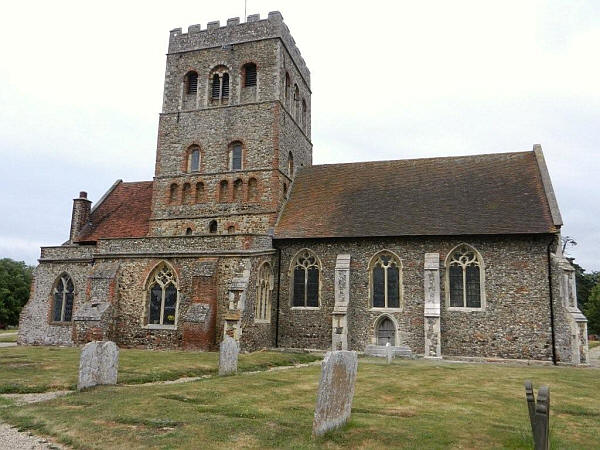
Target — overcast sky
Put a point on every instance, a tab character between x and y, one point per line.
81	88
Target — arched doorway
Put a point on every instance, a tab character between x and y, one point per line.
386	332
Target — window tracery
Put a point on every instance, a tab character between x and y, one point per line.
464	278
64	295
386	280
162	296
305	274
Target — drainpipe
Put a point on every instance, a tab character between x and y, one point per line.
278	289
551	303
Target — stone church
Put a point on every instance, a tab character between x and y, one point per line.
239	233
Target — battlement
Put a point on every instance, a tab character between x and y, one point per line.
234	32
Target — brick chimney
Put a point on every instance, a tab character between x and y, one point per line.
81	214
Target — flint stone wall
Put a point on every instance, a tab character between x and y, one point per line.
98	364
515	323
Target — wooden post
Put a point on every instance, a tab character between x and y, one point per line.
542	419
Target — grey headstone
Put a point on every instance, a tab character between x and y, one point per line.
228	356
336	391
530	396
99	364
389	353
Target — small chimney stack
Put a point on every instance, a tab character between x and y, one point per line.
81	215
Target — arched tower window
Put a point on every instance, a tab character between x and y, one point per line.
465	278
212	227
252	190
235	156
230	229
191	83
63	297
238	186
305	279
296	103
303	117
162	296
186	194
287	90
291	165
264	287
219	84
199	192
386	280
194	159
249	71
188	231
223	191
173	193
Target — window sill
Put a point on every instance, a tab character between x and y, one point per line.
155	326
61	324
305	308
464	309
386	309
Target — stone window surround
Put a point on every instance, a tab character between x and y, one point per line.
220	69
291	282
230	147
146	293
481	281
267	300
400	283
51	320
188	158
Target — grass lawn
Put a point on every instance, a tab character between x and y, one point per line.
8	337
40	369
593	344
410	404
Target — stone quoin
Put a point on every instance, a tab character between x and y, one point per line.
238	234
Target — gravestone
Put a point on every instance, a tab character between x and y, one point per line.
98	364
389	353
336	390
539	415
228	356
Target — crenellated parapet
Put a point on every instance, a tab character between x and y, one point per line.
234	32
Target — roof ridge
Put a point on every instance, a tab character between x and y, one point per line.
431	158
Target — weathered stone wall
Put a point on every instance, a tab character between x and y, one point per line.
514	324
35	325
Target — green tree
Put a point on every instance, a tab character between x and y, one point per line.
15	282
592	310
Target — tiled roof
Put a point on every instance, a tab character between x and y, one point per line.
483	194
124	212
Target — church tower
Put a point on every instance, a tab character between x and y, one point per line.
234	128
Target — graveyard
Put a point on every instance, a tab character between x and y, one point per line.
406	404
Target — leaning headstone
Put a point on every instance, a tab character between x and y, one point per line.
98	364
336	390
228	356
539	415
389	353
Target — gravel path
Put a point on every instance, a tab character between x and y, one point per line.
8	344
11	438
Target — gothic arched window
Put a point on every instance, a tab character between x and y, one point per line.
303	118
305	279
162	296
386	280
464	278
219	84
63	295
264	287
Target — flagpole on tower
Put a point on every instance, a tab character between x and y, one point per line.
245	15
